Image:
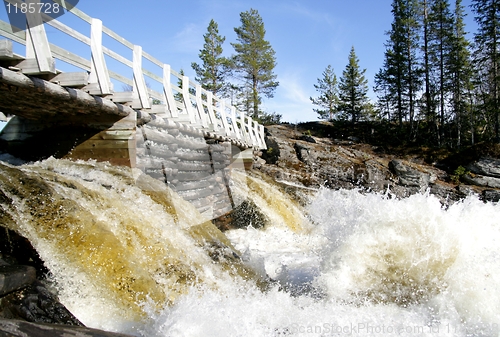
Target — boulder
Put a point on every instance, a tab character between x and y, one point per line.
272	154
491	195
409	176
20	328
480	180
486	167
307	138
15	277
302	152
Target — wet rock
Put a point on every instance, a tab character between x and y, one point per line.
15	277
466	190
272	153
491	195
307	138
302	152
486	167
409	176
480	180
446	193
21	328
36	303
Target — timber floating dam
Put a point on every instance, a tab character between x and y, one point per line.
180	133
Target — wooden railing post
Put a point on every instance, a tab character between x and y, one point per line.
39	58
234	121
140	88
187	99
224	118
199	106
243	126
208	112
260	135
251	138
99	81
211	114
167	92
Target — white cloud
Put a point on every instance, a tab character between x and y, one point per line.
190	39
291	99
316	16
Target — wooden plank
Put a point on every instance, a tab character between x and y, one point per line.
114	135
187	99
222	110
200	108
71	79
117	57
30	67
122	97
117	37
6	51
103	144
75	11
167	91
140	87
37	44
98	70
69	57
68	30
211	115
234	121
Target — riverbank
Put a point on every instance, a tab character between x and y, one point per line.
318	154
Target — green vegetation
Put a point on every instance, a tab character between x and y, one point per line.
213	72
435	86
458	174
251	67
353	90
328	99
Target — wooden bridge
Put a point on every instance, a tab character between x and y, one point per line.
81	114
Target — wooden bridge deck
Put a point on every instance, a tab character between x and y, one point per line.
32	88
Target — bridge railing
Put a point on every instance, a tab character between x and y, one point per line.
159	89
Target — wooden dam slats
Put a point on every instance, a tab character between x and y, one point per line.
188	138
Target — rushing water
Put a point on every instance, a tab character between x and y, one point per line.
128	255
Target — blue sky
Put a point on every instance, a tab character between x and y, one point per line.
307	36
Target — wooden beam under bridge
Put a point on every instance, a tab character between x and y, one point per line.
51	120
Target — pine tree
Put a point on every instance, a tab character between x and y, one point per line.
428	101
215	68
400	78
255	60
461	72
327	101
440	50
487	56
353	89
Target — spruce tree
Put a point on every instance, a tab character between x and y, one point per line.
327	101
254	60
428	101
461	73
487	56
440	50
400	78
215	68
353	89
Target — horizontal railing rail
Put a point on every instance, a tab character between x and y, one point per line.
162	91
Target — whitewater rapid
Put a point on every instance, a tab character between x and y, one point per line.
370	265
126	254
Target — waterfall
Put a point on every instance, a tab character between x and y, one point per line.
127	254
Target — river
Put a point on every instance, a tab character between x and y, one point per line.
126	254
